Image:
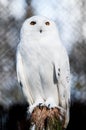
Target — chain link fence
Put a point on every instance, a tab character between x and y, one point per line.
71	21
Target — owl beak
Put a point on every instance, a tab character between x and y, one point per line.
40	30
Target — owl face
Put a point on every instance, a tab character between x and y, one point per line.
38	26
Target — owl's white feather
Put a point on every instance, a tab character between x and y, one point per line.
43	65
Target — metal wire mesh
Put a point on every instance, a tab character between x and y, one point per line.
9	38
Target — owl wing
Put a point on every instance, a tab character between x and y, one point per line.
21	75
63	84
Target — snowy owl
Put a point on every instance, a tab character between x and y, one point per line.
43	66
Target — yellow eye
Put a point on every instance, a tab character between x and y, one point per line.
32	23
47	23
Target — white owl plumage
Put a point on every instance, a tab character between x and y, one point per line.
43	65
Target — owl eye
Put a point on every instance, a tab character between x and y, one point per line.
32	23
47	23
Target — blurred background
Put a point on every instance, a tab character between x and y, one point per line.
70	17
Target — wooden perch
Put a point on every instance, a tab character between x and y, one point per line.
43	118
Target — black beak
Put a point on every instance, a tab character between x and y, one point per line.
40	30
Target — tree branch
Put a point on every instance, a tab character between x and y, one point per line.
43	118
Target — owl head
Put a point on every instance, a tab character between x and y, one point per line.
38	26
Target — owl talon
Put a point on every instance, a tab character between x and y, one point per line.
40	104
48	105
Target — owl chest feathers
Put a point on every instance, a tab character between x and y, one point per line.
43	50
